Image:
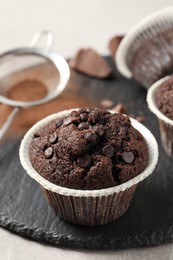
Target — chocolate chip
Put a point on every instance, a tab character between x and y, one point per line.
48	152
83	126
99	130
59	123
108	150
128	157
84	161
91	137
36	135
84	117
67	120
74	113
53	138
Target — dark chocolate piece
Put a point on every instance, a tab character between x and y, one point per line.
114	43
108	150
53	138
128	157
58	123
83	126
67	120
89	62
90	137
85	161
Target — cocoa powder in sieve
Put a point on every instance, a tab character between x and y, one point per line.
70	98
28	90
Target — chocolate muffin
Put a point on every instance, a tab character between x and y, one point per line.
151	56
88	150
164	98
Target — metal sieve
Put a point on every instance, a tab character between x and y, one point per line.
20	62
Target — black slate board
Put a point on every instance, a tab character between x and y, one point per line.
149	220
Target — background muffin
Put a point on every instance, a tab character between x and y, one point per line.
160	102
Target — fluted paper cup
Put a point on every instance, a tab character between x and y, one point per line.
146	52
166	124
88	207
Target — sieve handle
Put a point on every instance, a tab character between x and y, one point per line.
8	122
38	35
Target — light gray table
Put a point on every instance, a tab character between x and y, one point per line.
75	23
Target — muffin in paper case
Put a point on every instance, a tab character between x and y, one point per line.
166	124
88	207
146	54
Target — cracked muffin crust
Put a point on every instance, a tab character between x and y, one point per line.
89	149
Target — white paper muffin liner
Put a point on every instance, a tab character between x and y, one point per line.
88	207
146	29
166	124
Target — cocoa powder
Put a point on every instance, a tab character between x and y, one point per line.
28	90
27	117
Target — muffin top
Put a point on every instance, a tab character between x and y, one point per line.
164	98
89	149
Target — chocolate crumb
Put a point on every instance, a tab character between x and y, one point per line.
119	108
106	103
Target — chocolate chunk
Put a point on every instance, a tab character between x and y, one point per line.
106	103
84	161
128	157
119	108
83	126
48	152
67	120
84	117
59	123
91	137
108	150
99	130
53	138
89	62
114	43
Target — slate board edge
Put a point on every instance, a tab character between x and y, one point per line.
159	237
